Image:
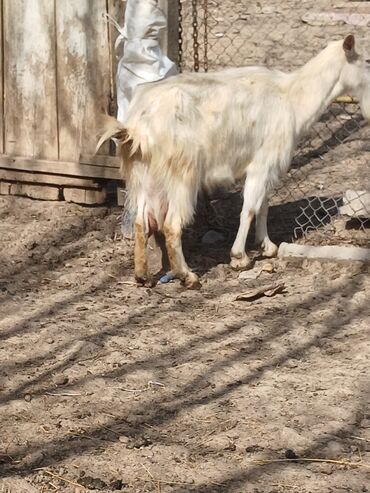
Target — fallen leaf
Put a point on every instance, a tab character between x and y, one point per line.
254	294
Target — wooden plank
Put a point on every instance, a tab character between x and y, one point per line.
31	177
1	80
116	10
99	160
59	167
83	80
29	79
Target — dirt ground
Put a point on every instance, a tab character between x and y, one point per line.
108	387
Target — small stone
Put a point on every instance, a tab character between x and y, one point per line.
50	340
249	275
116	484
290	454
252	449
61	380
33	460
28	397
93	483
326	469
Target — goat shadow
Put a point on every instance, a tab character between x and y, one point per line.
221	213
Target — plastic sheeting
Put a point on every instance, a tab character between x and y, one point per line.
142	60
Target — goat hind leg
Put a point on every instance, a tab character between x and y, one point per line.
178	264
140	255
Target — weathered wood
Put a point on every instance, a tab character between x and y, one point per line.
1	81
29	78
100	160
82	196
121	196
83	79
116	9
59	167
47	179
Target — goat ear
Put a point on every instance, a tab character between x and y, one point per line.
349	45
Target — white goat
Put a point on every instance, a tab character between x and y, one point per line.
201	130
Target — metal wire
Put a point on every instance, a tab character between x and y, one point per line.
331	161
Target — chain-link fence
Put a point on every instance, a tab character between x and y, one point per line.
328	188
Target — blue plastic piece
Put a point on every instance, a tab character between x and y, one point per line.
167	278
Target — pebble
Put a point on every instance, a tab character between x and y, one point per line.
290	454
33	460
28	397
50	340
61	380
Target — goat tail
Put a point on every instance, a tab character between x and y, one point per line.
113	129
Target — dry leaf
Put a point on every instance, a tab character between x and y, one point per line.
254	294
268	267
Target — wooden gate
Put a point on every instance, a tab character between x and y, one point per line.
58	70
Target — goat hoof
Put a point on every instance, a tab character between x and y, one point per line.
191	281
142	282
240	262
269	249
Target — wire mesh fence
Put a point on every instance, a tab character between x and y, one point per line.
328	186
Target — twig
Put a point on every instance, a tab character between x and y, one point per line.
174	483
360	438
56	476
152	383
64	394
112	431
129	390
306	459
147	470
156	483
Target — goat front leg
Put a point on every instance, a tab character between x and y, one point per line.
179	267
254	194
239	258
269	249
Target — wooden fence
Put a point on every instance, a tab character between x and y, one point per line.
58	68
57	76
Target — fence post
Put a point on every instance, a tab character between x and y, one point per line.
170	39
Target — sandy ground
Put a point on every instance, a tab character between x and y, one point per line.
111	387
106	387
